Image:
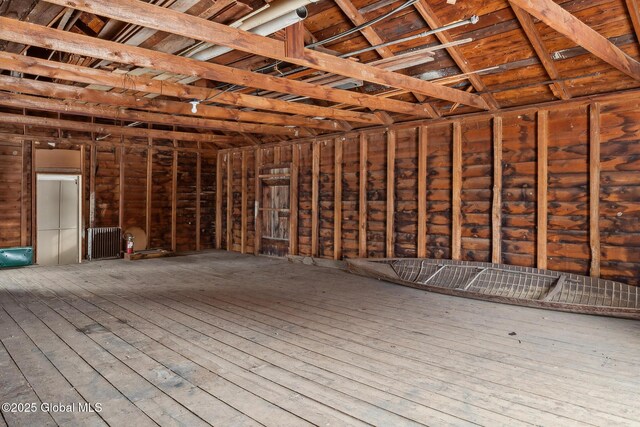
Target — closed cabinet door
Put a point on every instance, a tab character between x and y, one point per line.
58	220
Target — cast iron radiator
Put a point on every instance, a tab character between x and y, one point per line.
103	242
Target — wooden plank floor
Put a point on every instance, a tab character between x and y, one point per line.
226	339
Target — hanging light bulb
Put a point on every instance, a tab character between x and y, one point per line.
194	105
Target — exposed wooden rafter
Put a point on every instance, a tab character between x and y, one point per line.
75	73
71	107
200	29
634	14
36	35
580	33
558	87
374	39
19	119
433	21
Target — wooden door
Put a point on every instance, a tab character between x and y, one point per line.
274	211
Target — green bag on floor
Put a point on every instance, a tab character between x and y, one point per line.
16	257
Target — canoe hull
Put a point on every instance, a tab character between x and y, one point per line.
507	284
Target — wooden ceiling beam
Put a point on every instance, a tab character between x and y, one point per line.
530	30
50	38
454	52
20	138
72	107
374	39
76	73
580	33
44	122
151	16
634	14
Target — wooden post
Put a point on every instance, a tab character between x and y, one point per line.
230	201
594	188
198	196
34	217
496	207
422	192
294	40
219	201
83	195
337	199
92	185
277	155
258	216
149	188
315	177
543	177
23	199
362	205
243	204
121	186
293	199
391	184
174	198
456	190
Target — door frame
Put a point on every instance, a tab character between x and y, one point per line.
266	174
44	176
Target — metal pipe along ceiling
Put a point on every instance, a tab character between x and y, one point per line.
264	29
280	14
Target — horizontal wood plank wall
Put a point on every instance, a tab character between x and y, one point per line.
499	194
475	193
326	198
127	182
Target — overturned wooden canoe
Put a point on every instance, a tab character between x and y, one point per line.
509	284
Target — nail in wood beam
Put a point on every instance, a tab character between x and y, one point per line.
422	192
230	201
198	198
337	199
496	207
258	202
219	200
456	190
315	177
243	214
391	185
362	205
543	177
293	199
594	188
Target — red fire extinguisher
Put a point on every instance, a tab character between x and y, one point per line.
129	239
